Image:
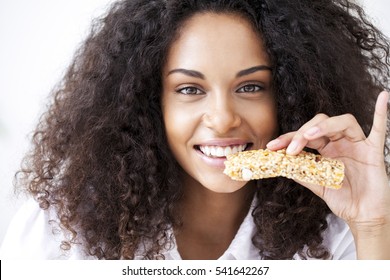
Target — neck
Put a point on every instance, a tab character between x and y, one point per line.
210	219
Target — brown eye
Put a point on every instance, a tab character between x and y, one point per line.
189	91
250	88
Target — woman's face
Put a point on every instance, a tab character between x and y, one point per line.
217	97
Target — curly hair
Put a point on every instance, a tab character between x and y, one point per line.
100	157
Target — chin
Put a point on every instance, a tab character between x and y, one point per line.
224	186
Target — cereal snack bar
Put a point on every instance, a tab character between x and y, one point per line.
305	167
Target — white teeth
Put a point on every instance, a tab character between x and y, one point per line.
207	150
227	151
218	151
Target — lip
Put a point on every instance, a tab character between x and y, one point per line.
220	161
212	162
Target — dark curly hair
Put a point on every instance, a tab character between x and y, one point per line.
100	156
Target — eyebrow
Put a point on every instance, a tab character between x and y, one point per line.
252	70
188	72
197	74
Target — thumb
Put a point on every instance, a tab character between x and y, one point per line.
378	130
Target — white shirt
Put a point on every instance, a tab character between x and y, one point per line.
30	236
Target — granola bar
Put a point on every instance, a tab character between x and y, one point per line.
305	167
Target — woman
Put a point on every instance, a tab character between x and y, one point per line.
128	161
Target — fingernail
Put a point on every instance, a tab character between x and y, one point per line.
312	131
292	147
273	143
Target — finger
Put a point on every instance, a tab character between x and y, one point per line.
378	130
317	190
281	142
299	141
294	141
336	128
297	144
323	192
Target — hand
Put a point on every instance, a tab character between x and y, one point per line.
364	199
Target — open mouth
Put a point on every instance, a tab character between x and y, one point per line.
222	151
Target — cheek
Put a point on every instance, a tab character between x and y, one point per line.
169	122
179	124
263	121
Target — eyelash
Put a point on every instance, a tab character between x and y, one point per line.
242	89
198	91
255	87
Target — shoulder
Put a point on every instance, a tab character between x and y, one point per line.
34	234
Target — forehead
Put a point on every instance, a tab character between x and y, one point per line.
217	38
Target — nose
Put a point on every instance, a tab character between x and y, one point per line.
222	114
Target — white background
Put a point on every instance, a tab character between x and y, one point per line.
37	41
